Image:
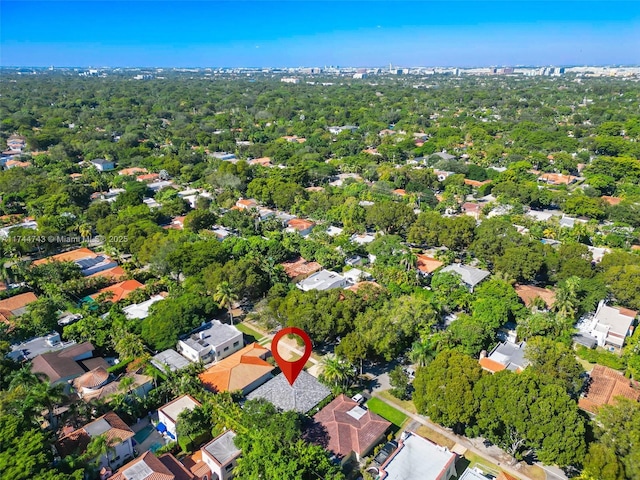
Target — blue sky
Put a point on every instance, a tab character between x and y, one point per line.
301	33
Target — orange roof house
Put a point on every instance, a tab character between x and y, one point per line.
399	192
110	425
299	268
245	370
557	178
246	203
71	256
133	171
115	274
264	162
427	265
611	200
120	290
605	385
15	306
528	293
148	177
149	467
475	183
301	225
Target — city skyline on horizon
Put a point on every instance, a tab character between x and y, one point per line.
266	34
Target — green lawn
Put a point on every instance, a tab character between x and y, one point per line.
406	404
387	411
249	331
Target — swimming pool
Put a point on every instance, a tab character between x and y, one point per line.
142	435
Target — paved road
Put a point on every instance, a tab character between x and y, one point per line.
465	442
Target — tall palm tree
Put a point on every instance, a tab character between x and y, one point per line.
337	371
567	298
225	296
422	352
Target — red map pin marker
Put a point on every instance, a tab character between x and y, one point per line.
291	370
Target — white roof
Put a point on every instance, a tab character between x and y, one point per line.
140	310
617	321
418	458
333	231
362	239
177	406
223	448
470	275
322	280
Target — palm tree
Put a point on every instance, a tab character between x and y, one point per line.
409	261
567	298
422	352
337	370
225	296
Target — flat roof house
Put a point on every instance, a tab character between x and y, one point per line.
141	310
217	341
418	458
348	429
245	370
322	280
221	455
103	165
470	276
169	359
612	325
168	414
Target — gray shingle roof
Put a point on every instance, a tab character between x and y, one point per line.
305	393
470	275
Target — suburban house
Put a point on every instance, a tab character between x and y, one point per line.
470	276
300	225
426	265
305	393
118	291
103	165
348	429
169	359
90	263
29	349
133	171
557	179
15	306
322	280
333	231
27	223
246	204
362	239
149	467
474	474
221	455
245	370
91	387
263	162
299	268
417	457
211	344
65	364
94	379
472	209
168	414
116	431
141	310
605	385
609	326
338	130
505	356
529	293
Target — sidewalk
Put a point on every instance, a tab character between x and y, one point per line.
457	439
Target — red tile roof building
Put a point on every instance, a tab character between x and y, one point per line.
120	290
605	385
350	428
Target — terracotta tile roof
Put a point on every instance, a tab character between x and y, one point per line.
359	285
132	171
196	465
91	379
475	183
17	163
246	203
12	306
111	426
607	384
346	432
148	177
178	470
427	264
558	178
115	273
75	175
300	224
238	371
156	468
528	293
70	256
264	161
611	200
120	290
299	267
491	365
471	207
400	192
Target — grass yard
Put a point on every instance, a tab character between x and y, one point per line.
249	332
435	437
406	404
387	411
